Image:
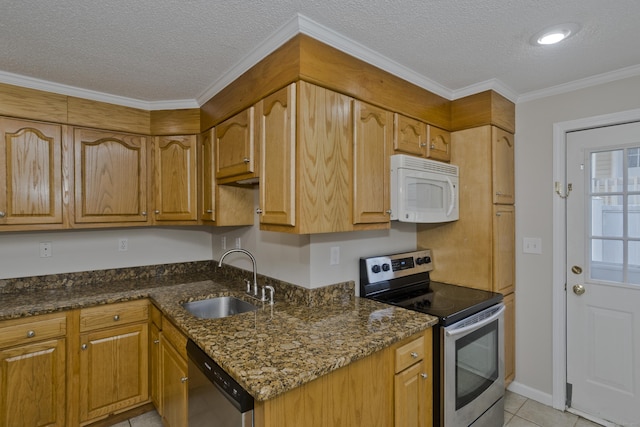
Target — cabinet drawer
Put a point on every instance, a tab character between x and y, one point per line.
105	316
409	353
31	329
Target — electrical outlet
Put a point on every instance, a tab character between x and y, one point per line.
223	243
46	250
532	245
238	243
123	245
335	255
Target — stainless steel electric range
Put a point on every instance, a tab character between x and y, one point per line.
468	345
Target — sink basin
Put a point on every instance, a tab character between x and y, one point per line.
215	308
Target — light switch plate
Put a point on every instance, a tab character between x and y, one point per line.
532	245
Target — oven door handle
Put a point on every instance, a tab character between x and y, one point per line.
476	325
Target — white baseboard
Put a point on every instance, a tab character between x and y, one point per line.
531	393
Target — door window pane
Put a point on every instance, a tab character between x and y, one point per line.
607	216
607	171
607	260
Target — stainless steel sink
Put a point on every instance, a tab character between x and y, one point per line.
215	308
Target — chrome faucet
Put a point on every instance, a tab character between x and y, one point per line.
253	260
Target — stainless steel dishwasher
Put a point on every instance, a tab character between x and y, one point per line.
215	399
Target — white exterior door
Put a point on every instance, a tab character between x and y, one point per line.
603	273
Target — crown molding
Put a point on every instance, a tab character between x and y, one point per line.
598	79
492	84
61	89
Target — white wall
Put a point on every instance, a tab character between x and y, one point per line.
305	259
82	250
534	197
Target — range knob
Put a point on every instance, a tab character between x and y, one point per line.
375	268
423	260
385	267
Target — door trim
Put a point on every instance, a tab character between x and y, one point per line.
559	307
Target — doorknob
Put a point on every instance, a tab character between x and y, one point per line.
578	289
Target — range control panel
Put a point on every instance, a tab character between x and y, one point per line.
388	267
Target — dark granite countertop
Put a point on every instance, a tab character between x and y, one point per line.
268	351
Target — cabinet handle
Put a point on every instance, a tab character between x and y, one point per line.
156	341
116	317
31	334
84	346
143	213
2	214
184	379
246	160
414	354
424	375
258	211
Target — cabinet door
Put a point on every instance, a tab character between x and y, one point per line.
509	338
503	167
30	173
175	179
276	127
503	249
411	387
32	385
410	136
114	370
325	161
174	385
439	146
208	187
235	153
373	132
110	177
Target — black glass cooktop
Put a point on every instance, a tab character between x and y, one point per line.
450	303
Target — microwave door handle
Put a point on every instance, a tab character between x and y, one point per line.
476	325
453	197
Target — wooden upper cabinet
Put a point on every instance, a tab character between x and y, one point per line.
503	166
276	135
175	178
324	166
410	135
439	146
208	186
31	187
110	177
235	154
373	133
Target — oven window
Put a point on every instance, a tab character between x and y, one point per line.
477	363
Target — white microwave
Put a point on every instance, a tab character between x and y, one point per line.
423	190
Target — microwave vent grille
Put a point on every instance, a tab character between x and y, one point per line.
411	162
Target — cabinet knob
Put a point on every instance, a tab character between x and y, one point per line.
143	213
246	160
84	346
2	214
414	354
424	375
156	341
258	211
31	334
433	146
209	210
157	211
184	379
423	144
388	211
116	317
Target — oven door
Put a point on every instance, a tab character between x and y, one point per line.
473	377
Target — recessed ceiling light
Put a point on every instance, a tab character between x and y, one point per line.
554	34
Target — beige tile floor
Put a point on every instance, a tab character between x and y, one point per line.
518	412
522	412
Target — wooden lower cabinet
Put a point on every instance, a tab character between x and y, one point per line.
174	386
33	371
413	389
509	338
154	367
364	393
113	370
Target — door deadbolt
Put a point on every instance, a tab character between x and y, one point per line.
576	269
578	289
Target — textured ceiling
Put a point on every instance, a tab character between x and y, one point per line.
166	50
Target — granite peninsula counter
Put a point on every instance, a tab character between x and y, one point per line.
269	351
